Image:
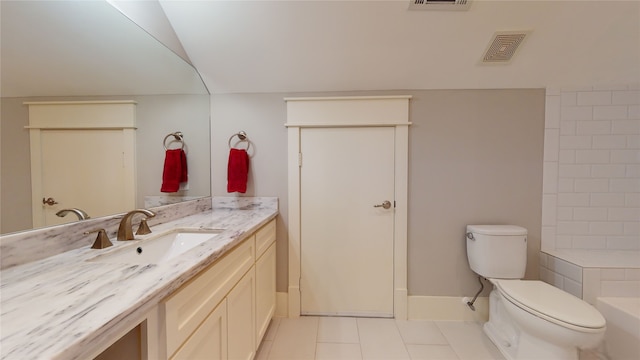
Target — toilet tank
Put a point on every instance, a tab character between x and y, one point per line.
497	251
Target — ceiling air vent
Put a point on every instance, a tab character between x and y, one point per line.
439	4
503	46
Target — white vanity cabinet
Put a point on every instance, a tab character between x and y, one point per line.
265	279
223	312
209	341
241	318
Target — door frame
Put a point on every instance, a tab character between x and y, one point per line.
80	115
351	111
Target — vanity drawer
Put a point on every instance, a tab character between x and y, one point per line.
264	237
190	305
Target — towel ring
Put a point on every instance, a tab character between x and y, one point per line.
243	137
177	137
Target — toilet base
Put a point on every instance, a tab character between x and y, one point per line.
526	347
506	348
532	348
513	343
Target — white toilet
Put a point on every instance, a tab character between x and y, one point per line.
528	319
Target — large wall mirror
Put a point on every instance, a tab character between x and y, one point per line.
84	51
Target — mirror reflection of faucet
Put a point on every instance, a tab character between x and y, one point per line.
82	215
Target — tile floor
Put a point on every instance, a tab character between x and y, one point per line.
344	338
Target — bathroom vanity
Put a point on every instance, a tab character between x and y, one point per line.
215	299
224	311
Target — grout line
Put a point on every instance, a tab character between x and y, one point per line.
276	325
404	341
437	324
453	348
315	349
276	332
359	340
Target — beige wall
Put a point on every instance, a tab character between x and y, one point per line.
475	157
15	165
262	116
156	116
160	115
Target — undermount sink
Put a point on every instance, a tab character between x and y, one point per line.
160	248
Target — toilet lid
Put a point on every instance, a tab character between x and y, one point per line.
551	302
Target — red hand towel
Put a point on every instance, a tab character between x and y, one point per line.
237	170
184	176
175	170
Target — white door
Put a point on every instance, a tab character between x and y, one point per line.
82	156
347	244
84	169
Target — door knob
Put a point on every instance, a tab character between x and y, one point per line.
385	204
49	201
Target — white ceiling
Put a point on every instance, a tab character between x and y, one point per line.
291	46
84	48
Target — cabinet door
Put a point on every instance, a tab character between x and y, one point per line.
241	318
209	341
264	237
189	306
265	291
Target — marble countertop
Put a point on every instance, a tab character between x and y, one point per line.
62	306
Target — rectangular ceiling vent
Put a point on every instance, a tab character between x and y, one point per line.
452	5
503	46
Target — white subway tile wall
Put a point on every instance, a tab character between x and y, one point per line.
589	283
591	179
561	274
591	187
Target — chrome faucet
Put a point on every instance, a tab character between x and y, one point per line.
79	213
125	231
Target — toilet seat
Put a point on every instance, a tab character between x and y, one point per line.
552	304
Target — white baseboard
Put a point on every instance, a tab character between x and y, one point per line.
293	301
446	308
421	308
282	304
400	304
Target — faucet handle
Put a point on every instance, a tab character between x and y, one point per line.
143	229
102	240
